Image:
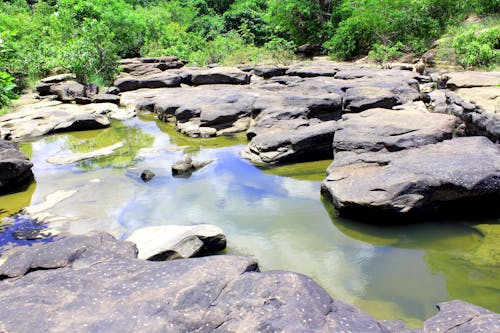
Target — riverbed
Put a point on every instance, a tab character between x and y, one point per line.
275	215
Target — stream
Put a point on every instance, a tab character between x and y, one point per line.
275	215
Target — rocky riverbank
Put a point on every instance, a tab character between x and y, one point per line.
95	283
404	145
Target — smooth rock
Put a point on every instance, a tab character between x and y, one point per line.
269	71
77	157
363	98
378	129
471	79
15	168
187	165
220	75
147	175
58	78
449	177
177	242
51	117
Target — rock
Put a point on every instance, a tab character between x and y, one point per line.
105	98
269	71
148	66
83	100
461	317
220	75
147	175
177	242
77	157
309	50
96	282
447	177
128	82
291	141
363	98
15	168
313	70
472	79
391	130
187	165
58	78
67	91
43	89
51	117
488	98
109	90
91	90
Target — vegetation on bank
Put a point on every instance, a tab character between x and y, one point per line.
38	38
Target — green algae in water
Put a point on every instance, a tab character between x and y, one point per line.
13	203
311	171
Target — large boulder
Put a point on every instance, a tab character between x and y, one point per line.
42	118
177	242
444	177
472	79
95	283
127	82
15	167
149	66
392	130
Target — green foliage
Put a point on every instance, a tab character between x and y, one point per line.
475	48
7	87
384	54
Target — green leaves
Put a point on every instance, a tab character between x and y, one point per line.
476	48
7	87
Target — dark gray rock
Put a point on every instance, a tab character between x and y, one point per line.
290	141
91	90
147	175
43	89
392	130
15	167
309	50
313	70
269	71
461	317
109	90
449	177
220	75
149	66
106	98
67	91
127	82
95	284
363	98
83	100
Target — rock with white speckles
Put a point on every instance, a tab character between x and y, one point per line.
462	317
89	287
452	176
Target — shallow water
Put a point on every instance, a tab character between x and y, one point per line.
275	215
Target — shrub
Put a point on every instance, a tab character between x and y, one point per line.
384	54
474	48
7	87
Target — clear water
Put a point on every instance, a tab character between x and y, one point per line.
275	215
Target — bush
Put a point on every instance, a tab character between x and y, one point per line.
475	48
384	54
7	87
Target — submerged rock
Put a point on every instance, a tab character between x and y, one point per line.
177	242
15	168
186	166
77	157
147	175
437	177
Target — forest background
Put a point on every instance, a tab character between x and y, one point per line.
39	38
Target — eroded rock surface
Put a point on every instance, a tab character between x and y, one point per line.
15	167
51	117
430	178
96	284
392	130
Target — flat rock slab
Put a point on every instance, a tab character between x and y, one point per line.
77	157
392	130
95	283
177	242
441	176
15	167
471	79
220	75
51	117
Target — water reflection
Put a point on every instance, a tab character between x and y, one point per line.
276	215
